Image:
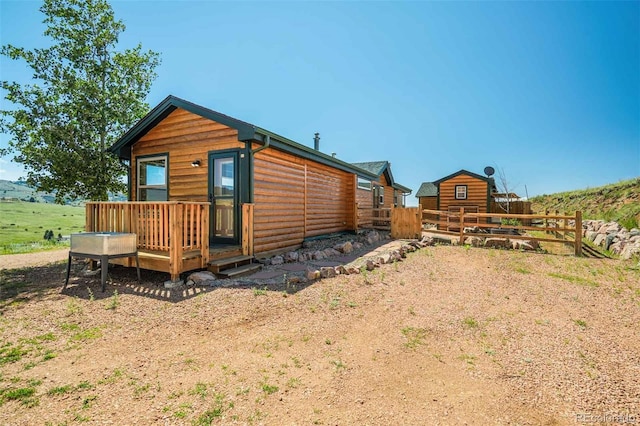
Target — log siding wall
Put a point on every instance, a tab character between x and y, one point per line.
297	198
185	137
476	193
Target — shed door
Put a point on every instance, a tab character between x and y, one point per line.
223	195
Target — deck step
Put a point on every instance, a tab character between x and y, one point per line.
218	265
239	271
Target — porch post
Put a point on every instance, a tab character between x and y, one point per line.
175	244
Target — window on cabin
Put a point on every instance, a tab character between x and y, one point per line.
461	192
378	196
152	178
364	184
399	199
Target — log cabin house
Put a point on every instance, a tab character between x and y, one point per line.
387	194
208	190
474	192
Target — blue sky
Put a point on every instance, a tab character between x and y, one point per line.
547	91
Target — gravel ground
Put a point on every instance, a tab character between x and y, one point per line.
450	335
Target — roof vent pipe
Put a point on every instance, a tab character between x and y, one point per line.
316	142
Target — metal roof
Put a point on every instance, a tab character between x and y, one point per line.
246	132
427	189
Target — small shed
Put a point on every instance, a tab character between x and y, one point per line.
462	189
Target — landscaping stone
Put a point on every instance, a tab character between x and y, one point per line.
173	284
345	247
474	241
312	274
291	256
201	277
327	272
613	237
277	260
497	243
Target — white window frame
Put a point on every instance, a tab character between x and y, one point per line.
140	161
364	184
461	195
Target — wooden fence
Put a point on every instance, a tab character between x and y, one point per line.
560	228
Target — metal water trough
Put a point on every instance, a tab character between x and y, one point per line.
103	246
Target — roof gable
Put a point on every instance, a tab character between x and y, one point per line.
427	189
246	132
375	167
379	168
122	147
463	172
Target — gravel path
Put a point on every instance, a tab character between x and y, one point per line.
13	261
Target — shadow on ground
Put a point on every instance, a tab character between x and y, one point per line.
33	283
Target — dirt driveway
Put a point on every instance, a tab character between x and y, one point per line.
14	261
450	335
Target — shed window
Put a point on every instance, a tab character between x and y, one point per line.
364	184
152	178
461	192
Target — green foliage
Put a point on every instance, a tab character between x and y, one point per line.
470	322
415	336
114	302
510	222
575	279
614	202
86	94
10	353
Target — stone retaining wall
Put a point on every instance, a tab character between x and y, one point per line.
613	237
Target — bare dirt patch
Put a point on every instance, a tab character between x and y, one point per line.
451	335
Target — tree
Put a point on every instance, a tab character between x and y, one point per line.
85	95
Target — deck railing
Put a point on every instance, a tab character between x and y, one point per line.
175	227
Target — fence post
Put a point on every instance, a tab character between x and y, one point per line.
546	221
578	239
461	225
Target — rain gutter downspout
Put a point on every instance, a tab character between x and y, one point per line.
253	152
265	146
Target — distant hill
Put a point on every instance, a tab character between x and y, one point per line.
19	190
617	201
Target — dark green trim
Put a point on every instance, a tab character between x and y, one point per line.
302	151
247	172
246	133
168	176
461	172
455	192
122	147
402	189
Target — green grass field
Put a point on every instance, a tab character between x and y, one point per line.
23	224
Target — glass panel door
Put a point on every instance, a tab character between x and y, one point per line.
223	192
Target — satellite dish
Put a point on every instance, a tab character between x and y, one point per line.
489	171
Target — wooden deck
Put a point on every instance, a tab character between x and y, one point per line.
173	236
156	260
